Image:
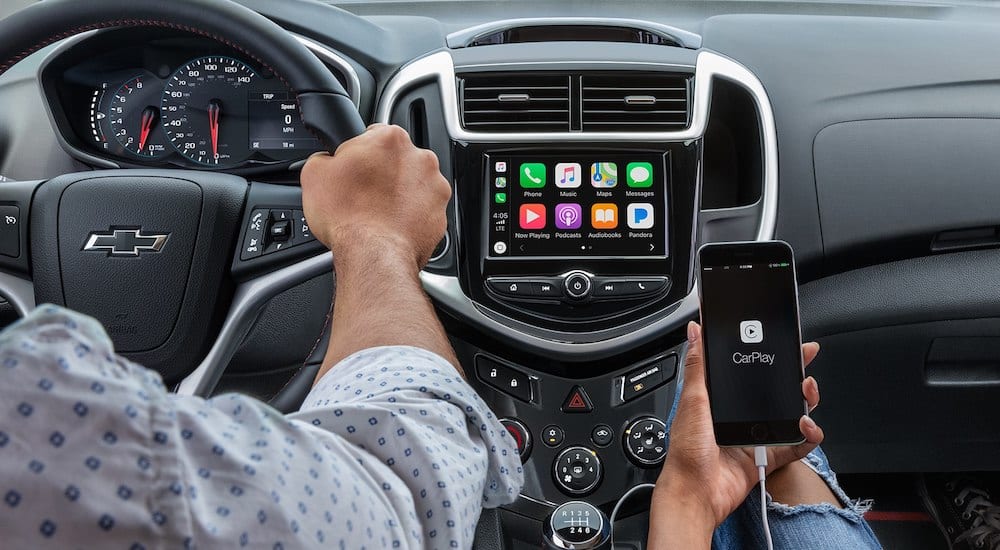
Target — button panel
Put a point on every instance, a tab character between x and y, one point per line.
577	470
646	441
648	377
274	229
504	378
576	287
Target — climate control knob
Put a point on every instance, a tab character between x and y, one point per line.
577	470
646	441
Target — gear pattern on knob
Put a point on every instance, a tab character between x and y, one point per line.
577	470
646	441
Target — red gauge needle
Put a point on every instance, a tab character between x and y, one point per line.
148	117
213	126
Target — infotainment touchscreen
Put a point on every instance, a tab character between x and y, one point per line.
572	205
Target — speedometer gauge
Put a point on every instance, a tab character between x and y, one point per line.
204	110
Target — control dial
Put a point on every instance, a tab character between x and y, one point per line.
577	284
577	470
646	441
577	525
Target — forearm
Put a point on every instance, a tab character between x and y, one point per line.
678	519
380	302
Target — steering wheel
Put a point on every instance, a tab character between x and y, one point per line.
177	310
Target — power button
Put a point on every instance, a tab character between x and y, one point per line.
577	285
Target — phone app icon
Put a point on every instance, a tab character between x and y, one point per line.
568	175
751	332
501	182
604	174
604	215
640	215
532	216
639	174
500	198
532	175
568	216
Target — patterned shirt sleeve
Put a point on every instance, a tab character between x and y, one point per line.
392	450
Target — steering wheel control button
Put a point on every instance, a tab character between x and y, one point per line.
602	436
577	401
10	231
646	441
302	232
577	284
577	525
577	470
521	435
253	242
504	378
648	377
553	435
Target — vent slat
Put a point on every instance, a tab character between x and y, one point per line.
508	102
635	101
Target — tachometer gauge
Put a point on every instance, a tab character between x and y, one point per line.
204	110
134	118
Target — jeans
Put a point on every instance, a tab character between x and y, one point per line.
807	527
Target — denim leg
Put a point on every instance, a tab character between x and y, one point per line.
813	526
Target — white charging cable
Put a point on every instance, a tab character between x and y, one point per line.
760	459
618	505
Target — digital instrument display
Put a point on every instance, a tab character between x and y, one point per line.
576	205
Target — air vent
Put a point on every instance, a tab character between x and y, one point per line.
641	102
515	102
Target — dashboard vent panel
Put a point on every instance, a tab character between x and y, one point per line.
516	102
639	102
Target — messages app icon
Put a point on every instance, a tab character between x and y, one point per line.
639	174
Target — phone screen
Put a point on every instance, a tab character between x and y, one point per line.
752	343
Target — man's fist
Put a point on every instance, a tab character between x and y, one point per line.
377	190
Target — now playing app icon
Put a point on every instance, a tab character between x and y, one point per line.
751	332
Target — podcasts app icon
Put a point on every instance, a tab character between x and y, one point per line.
568	216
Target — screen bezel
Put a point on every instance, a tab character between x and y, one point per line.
665	201
757	431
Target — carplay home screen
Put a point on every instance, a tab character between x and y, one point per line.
751	339
574	205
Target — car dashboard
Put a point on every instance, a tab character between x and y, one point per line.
590	154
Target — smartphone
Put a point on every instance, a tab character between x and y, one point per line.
753	343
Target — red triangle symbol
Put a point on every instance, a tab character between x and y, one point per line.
576	402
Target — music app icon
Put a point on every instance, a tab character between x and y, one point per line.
568	175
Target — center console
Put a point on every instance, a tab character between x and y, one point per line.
581	189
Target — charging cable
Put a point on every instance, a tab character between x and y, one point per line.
618	505
760	459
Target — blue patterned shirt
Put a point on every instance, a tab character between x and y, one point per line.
392	449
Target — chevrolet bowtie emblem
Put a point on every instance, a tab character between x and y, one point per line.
124	242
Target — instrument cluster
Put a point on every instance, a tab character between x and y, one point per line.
167	100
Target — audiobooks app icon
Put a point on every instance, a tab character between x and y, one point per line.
604	215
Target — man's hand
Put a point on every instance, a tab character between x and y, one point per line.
377	191
702	483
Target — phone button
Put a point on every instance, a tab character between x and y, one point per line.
759	432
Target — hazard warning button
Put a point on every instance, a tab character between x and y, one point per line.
577	401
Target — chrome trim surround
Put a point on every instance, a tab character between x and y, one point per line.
329	56
248	301
464	37
446	289
19	292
